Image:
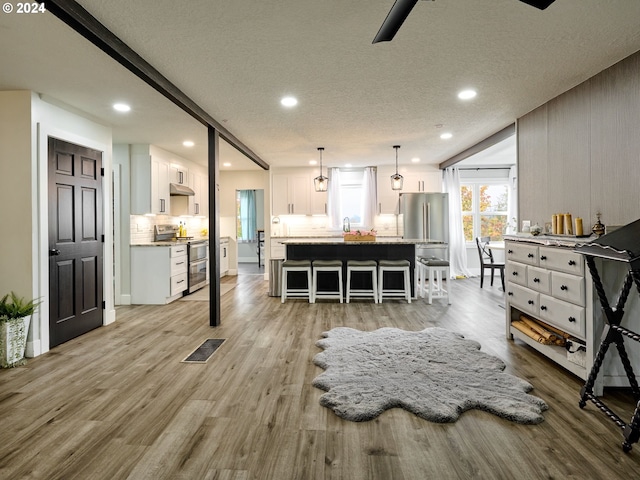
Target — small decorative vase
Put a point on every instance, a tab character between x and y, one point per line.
598	227
535	230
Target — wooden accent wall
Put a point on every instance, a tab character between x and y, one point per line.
580	152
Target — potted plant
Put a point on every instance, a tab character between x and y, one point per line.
15	317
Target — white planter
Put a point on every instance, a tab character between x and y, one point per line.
13	341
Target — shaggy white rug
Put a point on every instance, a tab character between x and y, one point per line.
435	374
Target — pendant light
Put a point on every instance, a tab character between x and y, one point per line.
321	183
396	179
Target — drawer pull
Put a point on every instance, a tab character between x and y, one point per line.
530	255
530	302
572	262
509	251
536	280
515	274
572	319
179	263
180	281
564	287
543	307
510	294
543	257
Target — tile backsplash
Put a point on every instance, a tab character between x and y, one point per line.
315	226
142	226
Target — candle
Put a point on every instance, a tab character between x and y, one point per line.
560	229
554	224
579	230
568	224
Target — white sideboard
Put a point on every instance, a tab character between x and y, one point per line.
547	281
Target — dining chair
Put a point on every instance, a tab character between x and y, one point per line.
487	261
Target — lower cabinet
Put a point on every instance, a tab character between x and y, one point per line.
159	274
224	257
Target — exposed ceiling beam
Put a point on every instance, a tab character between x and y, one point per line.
80	20
480	146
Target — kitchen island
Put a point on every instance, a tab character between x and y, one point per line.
332	248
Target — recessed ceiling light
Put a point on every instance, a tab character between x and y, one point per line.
415	159
188	143
313	162
226	164
121	107
446	136
467	94
348	165
289	101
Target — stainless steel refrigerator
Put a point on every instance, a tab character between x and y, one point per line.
425	216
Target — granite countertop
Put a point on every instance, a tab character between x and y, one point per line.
550	240
340	241
168	243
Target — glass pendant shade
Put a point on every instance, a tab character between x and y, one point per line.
321	183
396	178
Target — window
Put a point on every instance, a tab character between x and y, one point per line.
351	195
484	209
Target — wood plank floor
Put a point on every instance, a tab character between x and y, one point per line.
118	403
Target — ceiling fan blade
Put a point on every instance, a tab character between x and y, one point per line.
395	19
541	4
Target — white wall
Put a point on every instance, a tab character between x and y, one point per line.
27	121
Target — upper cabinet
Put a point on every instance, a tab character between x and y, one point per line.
421	181
149	181
152	172
291	194
199	203
388	199
179	174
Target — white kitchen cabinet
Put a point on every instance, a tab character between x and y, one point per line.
318	201
199	203
158	274
291	194
224	256
388	199
420	181
178	174
149	182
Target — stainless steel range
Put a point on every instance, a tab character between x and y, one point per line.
197	254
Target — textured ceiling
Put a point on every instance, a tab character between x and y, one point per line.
237	59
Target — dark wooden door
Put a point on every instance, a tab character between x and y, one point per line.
75	240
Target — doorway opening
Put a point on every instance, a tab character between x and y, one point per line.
250	231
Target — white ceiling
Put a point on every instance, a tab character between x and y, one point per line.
237	59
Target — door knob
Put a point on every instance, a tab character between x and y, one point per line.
54	252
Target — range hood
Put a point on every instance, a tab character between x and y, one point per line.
177	189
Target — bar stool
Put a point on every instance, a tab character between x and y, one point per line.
327	266
402	266
296	266
370	266
434	271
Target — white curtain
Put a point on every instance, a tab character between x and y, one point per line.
370	197
457	243
333	199
512	209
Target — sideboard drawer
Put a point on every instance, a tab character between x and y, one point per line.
539	279
525	299
565	316
568	287
516	273
517	252
561	260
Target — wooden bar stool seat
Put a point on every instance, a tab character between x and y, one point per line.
387	266
327	266
296	266
370	266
